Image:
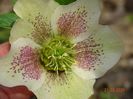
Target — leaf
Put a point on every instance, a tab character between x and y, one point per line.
130	17
65	2
4	35
107	96
7	20
13	2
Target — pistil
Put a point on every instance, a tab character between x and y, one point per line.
58	54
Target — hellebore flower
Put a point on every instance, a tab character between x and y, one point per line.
58	51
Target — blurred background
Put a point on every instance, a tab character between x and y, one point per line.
5	7
118	82
118	14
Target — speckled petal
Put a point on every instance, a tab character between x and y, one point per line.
65	87
29	9
98	53
77	19
38	30
21	66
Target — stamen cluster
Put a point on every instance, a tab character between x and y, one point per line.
58	54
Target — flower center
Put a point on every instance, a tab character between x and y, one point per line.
58	54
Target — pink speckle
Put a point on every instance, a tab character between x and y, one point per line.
26	63
41	29
73	23
89	54
86	59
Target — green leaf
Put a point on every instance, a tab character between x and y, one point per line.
13	2
4	35
130	17
107	96
65	2
7	20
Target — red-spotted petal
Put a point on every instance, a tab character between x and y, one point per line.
97	54
73	23
37	30
37	12
89	53
22	66
27	63
76	20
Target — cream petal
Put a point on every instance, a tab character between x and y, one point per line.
76	20
97	54
29	9
67	87
38	31
20	29
21	65
35	19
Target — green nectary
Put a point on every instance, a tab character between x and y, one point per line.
58	54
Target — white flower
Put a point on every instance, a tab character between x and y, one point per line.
58	51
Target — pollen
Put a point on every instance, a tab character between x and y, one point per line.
57	54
